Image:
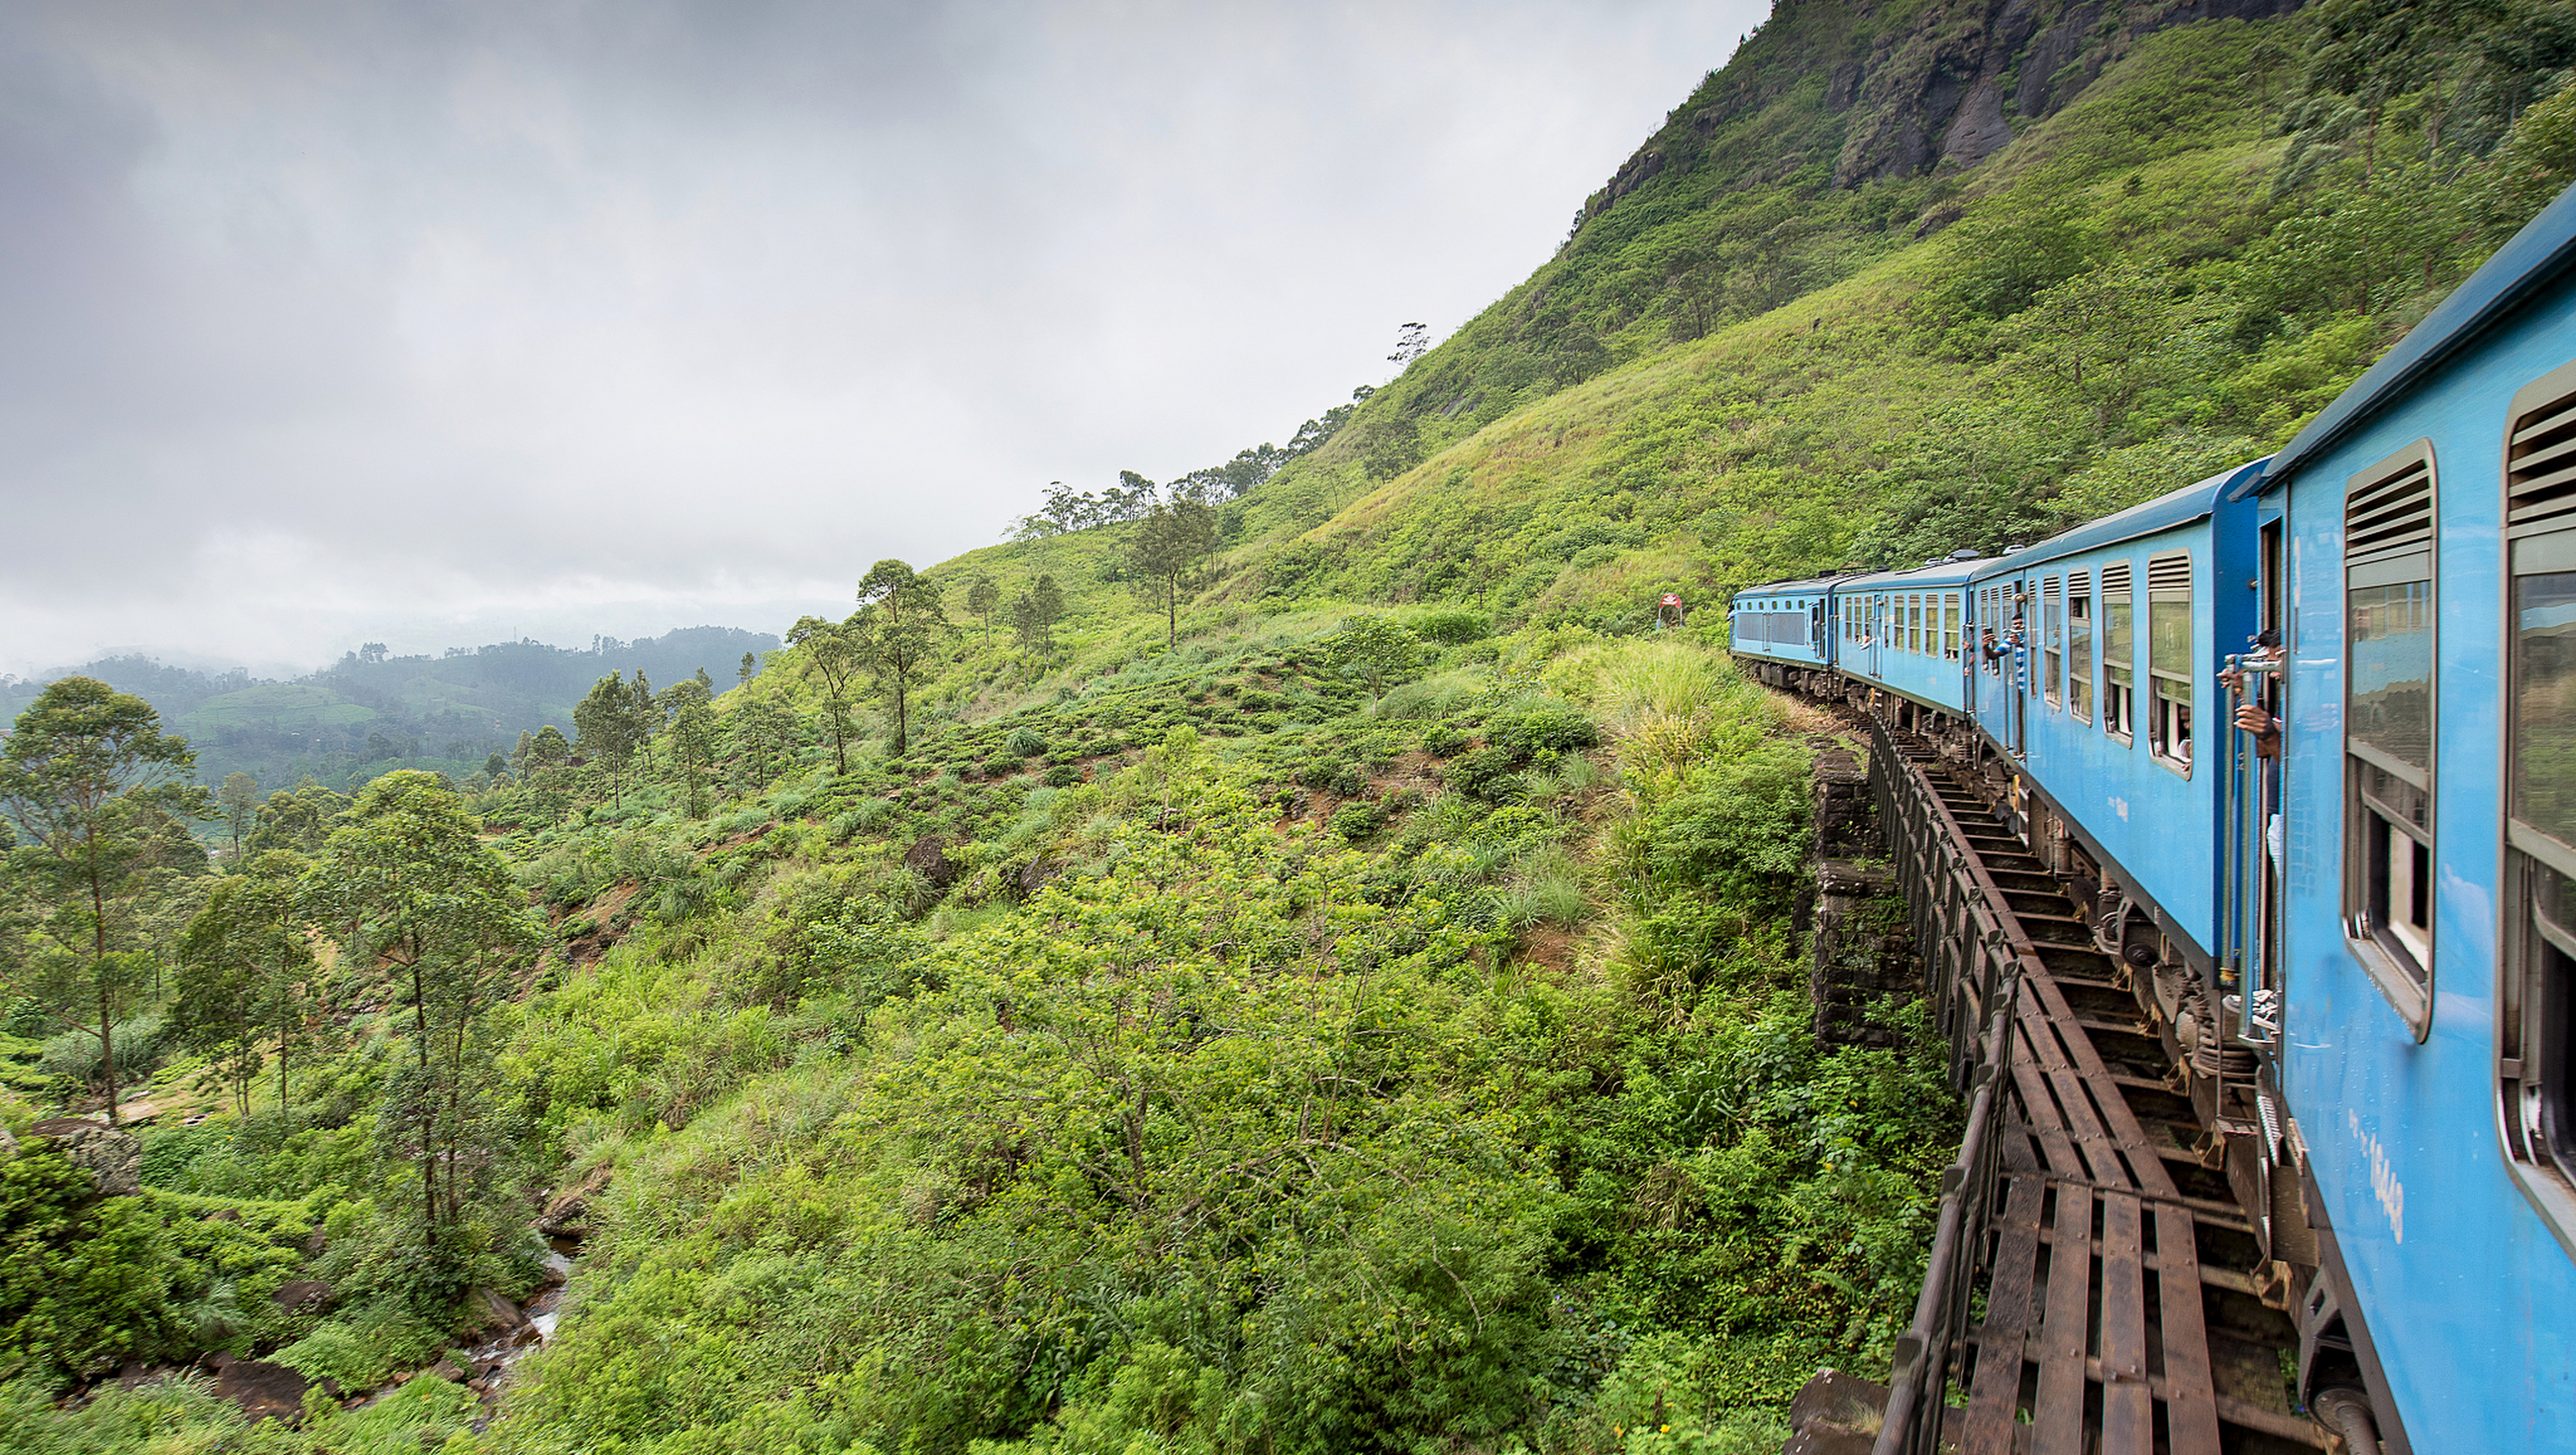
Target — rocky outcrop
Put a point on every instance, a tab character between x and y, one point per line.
1945	84
929	858
567	1214
262	1390
113	1156
303	1296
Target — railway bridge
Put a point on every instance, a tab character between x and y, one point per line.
2097	1282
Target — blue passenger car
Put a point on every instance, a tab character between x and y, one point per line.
1906	632
2426	975
2097	678
1783	622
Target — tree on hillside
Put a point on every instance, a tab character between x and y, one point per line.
89	780
608	727
1412	340
1166	553
545	770
239	798
298	821
244	965
895	635
644	716
435	910
829	654
983	598
902	594
1375	648
749	669
692	735
762	730
1034	613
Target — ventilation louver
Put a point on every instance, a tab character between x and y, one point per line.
2540	470
2389	514
2169	575
2115	578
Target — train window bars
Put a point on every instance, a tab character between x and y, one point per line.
2079	645
2388	727
2119	648
2536	989
2052	615
2169	684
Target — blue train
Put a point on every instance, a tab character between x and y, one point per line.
2307	729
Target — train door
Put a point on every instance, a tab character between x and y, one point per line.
2019	640
1876	641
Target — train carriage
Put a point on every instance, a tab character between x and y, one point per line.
2427	965
1782	625
1906	632
2094	669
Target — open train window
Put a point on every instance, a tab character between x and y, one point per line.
2052	616
2536	1000
1950	625
2079	645
2169	700
2388	726
1914	622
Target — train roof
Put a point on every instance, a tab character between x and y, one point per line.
1939	573
2537	255
2181	507
1787	588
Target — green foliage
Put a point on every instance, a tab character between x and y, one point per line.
84	1279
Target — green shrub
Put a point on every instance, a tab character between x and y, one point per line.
1451	625
84	1279
1486	773
1001	765
1024	742
1542	730
1445	741
1063	775
1358	819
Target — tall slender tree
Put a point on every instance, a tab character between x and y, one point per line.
828	654
244	967
896	635
434	910
692	736
983	598
239	799
608	725
1166	553
89	779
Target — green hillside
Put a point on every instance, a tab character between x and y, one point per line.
1357	1002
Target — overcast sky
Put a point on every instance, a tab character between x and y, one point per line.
448	323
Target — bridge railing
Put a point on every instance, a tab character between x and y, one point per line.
1972	972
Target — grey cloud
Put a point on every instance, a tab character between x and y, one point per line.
416	321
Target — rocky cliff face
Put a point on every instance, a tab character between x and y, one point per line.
1909	86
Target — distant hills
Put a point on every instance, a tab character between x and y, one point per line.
372	711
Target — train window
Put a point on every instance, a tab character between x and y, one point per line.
2536	1004
1994	625
2169	701
1950	625
1914	622
2079	646
2388	726
2052	655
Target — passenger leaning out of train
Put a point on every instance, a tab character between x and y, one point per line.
2257	713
